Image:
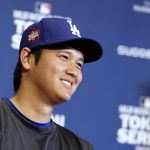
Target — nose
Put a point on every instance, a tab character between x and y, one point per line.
71	69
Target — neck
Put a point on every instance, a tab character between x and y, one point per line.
32	106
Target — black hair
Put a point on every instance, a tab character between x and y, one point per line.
18	69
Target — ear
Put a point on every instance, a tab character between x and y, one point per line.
25	58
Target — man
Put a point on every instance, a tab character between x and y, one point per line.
48	72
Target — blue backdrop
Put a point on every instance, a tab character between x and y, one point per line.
111	108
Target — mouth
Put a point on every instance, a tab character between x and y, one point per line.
67	83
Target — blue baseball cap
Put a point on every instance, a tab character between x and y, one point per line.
59	31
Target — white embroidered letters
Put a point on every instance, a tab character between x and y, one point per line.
74	29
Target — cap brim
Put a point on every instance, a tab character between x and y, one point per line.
91	49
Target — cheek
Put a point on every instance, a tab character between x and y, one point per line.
79	77
53	65
58	67
55	69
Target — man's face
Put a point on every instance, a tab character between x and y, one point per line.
57	74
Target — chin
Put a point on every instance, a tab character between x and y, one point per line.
65	99
62	99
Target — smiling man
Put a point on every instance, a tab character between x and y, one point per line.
49	70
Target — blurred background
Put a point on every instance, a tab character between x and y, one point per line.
111	108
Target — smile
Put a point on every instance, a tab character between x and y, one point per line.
66	83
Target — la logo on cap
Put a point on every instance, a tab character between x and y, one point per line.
74	29
34	35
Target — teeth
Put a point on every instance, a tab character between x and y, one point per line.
66	83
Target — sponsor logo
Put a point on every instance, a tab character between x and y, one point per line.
142	8
135	52
135	124
144	101
43	8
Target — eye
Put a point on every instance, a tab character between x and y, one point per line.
79	65
64	57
